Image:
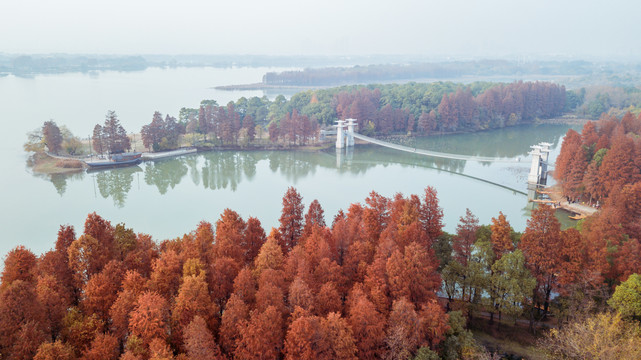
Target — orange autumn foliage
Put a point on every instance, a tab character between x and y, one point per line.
150	317
199	341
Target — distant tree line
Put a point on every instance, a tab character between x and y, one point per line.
332	76
38	64
593	101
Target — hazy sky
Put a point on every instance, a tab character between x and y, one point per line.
457	28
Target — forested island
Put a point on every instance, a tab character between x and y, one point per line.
408	109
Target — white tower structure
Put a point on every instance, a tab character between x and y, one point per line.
545	154
539	168
351	123
340	139
533	176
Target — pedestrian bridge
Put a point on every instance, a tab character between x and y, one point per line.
437	154
345	135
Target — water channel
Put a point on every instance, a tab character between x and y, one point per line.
169	197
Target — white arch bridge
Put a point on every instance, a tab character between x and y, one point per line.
345	136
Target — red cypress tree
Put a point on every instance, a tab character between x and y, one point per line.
87	257
300	295
367	324
18	305
618	167
120	313
159	350
465	237
149	319
101	291
101	230
313	218
431	215
193	300
103	347
261	336
501	236
221	278
19	264
434	323
413	275
403	330
541	245
236	312
253	238
328	300
166	274
27	341
54	298
570	146
199	341
245	286
54	351
229	236
339	337
291	219
52	136
198	244
305	339
375	215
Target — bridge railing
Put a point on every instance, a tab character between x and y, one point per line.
433	153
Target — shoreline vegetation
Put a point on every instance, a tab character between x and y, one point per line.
336	70
45	163
380	110
48	164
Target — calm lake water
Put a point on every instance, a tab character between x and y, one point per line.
169	197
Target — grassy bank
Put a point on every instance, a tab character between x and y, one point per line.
513	341
45	164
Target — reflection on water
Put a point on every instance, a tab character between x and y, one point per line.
225	170
59	181
115	183
165	173
510	142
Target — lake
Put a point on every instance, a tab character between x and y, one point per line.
169	197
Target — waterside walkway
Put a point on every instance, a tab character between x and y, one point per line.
583	210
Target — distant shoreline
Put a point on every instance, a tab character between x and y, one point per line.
261	86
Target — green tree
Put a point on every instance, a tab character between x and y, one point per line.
35	141
510	284
627	297
459	342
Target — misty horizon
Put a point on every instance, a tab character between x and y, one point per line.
456	30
